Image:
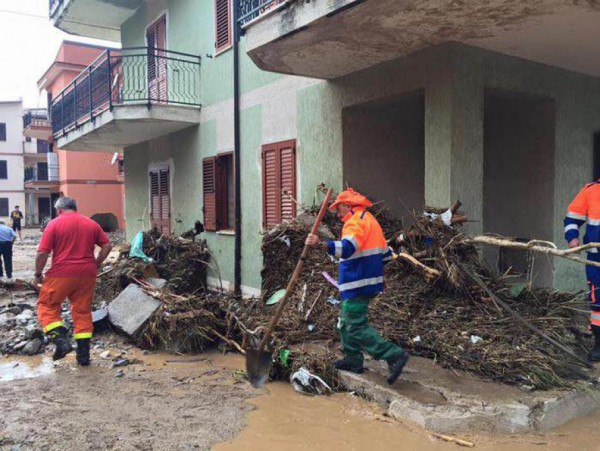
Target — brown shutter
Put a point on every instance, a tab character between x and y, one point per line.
165	202
151	45
154	198
279	174
222	24
288	179
209	181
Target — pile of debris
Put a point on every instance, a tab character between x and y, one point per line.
19	330
440	302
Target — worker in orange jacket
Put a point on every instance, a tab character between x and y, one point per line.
362	252
585	209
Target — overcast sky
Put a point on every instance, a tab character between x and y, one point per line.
28	45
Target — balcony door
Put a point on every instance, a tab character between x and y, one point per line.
156	41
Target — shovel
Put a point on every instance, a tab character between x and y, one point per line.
258	361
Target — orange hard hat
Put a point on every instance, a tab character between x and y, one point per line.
352	198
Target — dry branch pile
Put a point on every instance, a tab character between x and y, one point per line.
449	319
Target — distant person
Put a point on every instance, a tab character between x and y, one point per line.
71	238
7	238
17	216
362	251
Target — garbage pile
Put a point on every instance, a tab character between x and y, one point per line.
433	308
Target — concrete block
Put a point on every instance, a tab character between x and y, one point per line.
131	309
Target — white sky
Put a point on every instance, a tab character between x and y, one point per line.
28	45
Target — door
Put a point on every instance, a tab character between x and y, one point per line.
42	169
156	41
43	208
53	198
160	200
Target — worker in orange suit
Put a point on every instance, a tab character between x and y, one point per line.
585	209
362	252
71	239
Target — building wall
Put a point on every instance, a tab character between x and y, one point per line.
276	108
11	150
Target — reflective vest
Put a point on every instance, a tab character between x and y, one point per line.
362	253
585	208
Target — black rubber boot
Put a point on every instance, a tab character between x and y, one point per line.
594	355
61	342
396	367
83	351
348	365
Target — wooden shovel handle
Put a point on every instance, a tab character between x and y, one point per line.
296	275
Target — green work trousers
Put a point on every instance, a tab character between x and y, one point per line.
357	335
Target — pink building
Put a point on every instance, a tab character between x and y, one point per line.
94	179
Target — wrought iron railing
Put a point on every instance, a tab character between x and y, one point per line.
251	9
36	118
139	75
41	173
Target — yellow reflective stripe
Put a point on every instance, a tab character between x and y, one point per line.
52	326
82	335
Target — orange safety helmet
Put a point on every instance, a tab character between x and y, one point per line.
352	198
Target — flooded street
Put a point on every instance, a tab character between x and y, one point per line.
203	402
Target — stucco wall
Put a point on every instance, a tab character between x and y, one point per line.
384	152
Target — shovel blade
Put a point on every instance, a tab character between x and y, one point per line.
258	367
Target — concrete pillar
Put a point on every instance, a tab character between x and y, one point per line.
454	142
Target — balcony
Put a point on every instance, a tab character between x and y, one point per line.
99	19
40	153
126	97
42	175
36	124
329	39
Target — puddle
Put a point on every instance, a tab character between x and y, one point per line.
12	370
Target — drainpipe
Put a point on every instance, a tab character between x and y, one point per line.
237	269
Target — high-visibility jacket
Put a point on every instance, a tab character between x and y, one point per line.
585	208
362	252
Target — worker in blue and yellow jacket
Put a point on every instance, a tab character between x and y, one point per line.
585	208
362	253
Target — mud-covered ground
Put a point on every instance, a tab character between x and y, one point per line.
162	403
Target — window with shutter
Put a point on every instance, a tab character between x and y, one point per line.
218	192
160	200
279	182
156	42
222	25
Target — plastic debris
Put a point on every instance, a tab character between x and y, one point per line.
333	301
476	339
275	297
284	355
306	383
137	248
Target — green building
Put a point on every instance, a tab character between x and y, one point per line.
414	102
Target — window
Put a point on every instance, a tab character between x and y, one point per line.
27	139
121	163
3	169
222	25
3	206
156	41
2	131
160	200
279	182
42	146
218	189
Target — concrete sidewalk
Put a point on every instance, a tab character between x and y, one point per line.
448	401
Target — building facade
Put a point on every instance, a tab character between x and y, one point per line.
12	191
94	179
409	103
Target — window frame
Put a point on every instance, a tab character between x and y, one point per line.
223	222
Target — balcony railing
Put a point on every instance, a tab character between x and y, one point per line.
251	9
42	174
139	75
36	118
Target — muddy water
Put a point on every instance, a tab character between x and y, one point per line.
12	369
285	420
